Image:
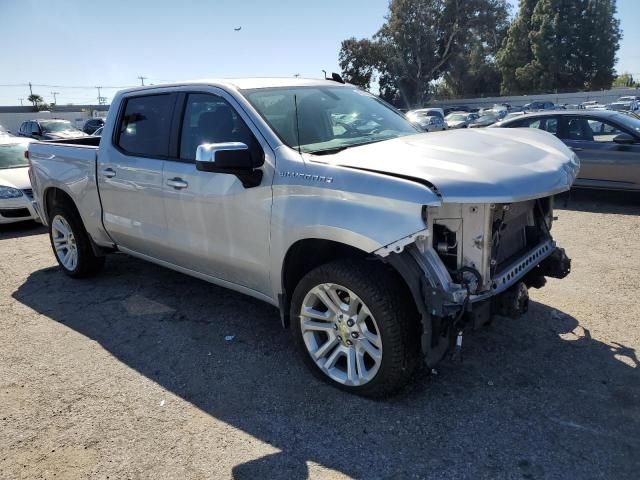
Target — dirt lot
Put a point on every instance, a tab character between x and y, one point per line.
129	375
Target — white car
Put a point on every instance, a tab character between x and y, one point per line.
16	197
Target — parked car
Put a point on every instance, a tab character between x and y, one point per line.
92	125
439	112
538	105
460	119
628	98
428	123
484	120
373	240
593	105
607	142
49	130
98	132
16	196
629	104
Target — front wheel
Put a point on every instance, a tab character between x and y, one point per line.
355	328
71	244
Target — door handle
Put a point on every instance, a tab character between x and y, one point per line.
577	149
177	183
109	172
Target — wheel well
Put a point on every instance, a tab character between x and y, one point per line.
305	255
55	196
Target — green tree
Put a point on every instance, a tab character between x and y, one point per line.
560	44
473	70
625	80
516	50
358	61
417	44
38	102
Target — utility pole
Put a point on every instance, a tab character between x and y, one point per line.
325	74
21	101
55	100
31	95
99	97
142	79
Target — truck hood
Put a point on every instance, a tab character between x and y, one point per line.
485	166
15	177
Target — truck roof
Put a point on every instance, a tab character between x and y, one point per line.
246	83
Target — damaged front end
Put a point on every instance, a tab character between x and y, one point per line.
474	261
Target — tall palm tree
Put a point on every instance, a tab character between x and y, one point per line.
36	100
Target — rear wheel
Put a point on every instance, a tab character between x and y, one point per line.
355	328
71	244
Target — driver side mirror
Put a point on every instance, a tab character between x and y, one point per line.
232	158
624	139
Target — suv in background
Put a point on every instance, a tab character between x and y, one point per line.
93	124
49	130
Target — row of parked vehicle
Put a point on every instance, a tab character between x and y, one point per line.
461	116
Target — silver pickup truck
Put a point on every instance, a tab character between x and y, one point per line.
378	243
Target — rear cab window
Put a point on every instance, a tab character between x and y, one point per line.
145	125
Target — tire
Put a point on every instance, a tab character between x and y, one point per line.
387	317
86	263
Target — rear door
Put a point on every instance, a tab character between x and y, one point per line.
604	162
130	174
216	226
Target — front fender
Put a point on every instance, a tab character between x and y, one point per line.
361	209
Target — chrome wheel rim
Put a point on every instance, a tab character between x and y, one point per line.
341	334
64	243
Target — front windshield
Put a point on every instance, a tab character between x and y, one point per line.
12	156
457	117
629	122
56	126
328	117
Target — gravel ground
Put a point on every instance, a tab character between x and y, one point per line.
129	375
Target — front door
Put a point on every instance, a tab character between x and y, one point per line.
216	226
130	174
603	162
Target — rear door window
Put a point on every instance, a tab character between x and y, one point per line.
145	125
578	128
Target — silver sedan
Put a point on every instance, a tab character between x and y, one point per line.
607	142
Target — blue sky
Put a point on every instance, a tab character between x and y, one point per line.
110	43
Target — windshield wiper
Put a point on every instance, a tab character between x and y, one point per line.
330	151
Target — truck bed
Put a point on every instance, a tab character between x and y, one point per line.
68	166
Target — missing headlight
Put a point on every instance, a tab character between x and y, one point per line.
445	242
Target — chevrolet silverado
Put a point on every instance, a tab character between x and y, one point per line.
378	243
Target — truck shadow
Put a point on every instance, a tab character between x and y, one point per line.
527	395
599	201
